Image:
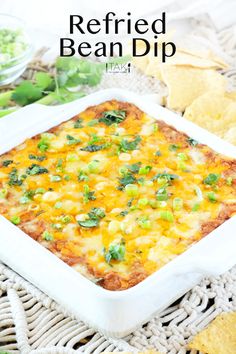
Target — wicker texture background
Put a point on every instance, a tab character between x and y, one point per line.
31	322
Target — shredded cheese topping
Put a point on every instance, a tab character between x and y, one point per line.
115	193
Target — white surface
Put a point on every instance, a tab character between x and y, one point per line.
113	313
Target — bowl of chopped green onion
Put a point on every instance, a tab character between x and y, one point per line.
15	48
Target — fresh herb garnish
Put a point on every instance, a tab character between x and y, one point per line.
83	176
127	179
124	213
111	117
6	163
55	178
211	179
144	170
59	165
88	195
96	213
47	236
16	221
126	145
174	147
93	148
168	177
115	252
35	169
71	140
89	223
94	217
212	197
162	194
43	144
48	89
192	142
92	122
27	197
37	158
134	168
78	123
14	179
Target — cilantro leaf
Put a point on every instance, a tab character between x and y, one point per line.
78	123
114	116
37	158
35	169
71	140
26	93
94	215
14	179
93	147
43	80
6	163
127	179
126	145
89	223
115	252
192	142
166	176
211	179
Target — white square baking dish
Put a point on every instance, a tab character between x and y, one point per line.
113	313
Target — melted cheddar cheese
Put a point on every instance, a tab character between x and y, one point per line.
115	193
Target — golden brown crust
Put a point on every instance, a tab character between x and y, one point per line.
34	228
227	211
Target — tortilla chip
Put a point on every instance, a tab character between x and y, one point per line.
187	59
207	55
185	84
214	112
230	135
231	95
219	337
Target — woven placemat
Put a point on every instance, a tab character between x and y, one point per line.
31	322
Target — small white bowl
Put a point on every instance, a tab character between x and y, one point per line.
12	68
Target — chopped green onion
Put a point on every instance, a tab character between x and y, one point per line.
131	190
92	122
144	170
55	178
83	176
115	252
212	197
144	223
167	215
72	157
162	194
178	204
196	207
71	140
15	220
3	193
94	166
211	179
66	219
143	202
40	191
47	236
182	156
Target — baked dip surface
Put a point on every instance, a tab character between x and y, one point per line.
115	193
